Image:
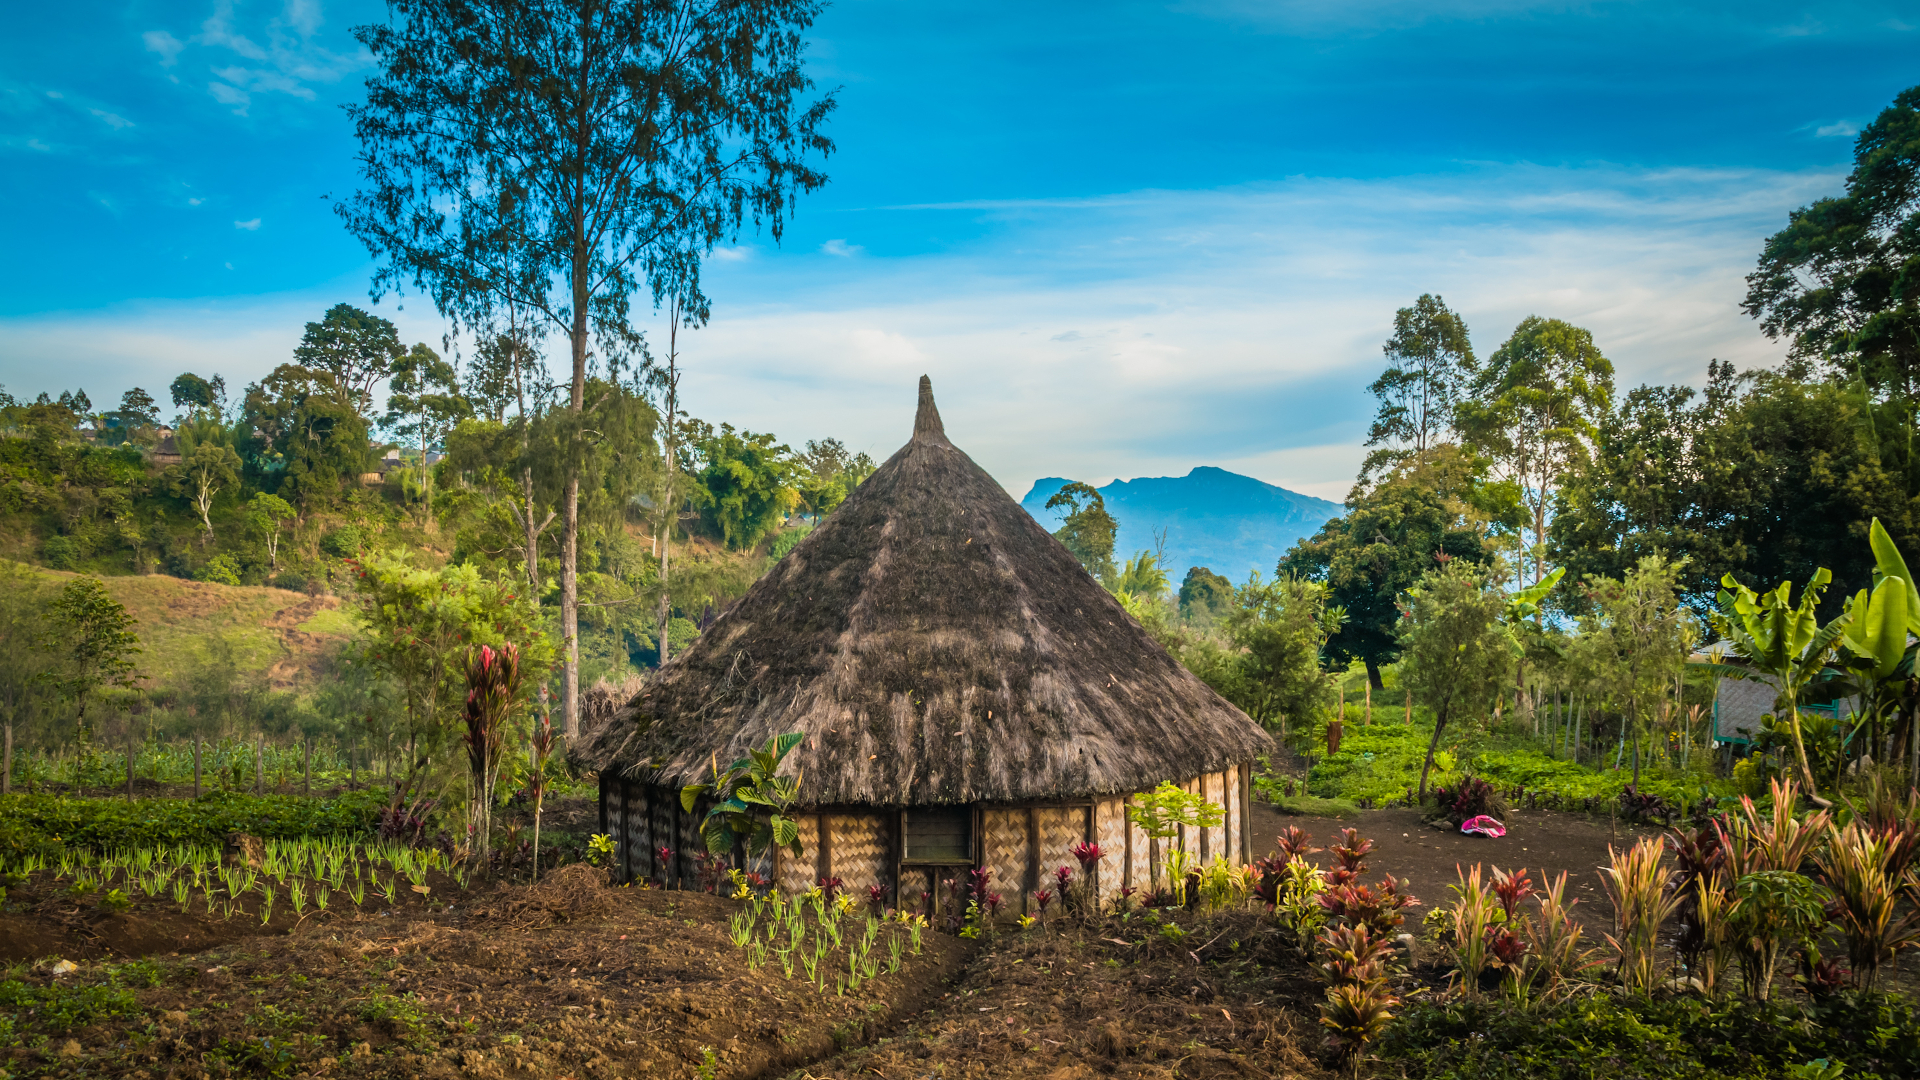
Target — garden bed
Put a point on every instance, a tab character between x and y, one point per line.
544	981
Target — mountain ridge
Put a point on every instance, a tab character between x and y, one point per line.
1230	523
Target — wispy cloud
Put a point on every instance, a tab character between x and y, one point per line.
841	248
1837	129
165	44
282	56
251	224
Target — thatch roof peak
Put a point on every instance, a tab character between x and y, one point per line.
927	427
935	645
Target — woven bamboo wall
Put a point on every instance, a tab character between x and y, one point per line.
862	851
913	888
797	875
1110	832
1004	846
1060	829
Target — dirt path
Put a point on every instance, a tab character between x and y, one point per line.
1428	860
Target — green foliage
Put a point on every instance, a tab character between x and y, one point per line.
1205	596
1429	364
1088	530
62	1007
419	623
1456	654
744	790
34	824
1842	280
1677	1038
1279	628
221	569
1436	501
1142	576
1636	641
747	484
1161	813
1784	640
1534	410
787	541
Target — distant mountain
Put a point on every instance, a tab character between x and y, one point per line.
1229	523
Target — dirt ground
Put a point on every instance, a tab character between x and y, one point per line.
573	979
568	978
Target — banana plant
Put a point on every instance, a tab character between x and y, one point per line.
742	787
1784	641
1879	659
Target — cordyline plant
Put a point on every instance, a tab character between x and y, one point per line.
743	786
1857	867
1637	884
493	692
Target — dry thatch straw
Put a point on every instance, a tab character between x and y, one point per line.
935	645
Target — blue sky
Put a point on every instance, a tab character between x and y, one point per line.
1124	239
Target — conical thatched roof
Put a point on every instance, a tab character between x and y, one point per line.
935	645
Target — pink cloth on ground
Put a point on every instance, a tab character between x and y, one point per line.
1483	825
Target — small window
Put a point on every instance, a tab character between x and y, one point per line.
940	834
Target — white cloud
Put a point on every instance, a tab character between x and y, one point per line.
197	202
1237	328
1839	128
227	95
251	225
841	248
55	95
733	254
112	120
165	44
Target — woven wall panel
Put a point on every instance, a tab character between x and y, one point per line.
1004	835
641	833
1110	824
862	851
761	864
1060	829
1214	788
660	813
691	844
1142	876
796	874
613	795
1234	811
913	889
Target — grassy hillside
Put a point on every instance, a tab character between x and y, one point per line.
269	630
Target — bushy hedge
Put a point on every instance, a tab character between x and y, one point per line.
1870	1035
45	823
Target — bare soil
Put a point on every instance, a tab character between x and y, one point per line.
568	978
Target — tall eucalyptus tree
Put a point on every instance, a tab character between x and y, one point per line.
563	156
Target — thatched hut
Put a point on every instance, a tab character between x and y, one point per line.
969	697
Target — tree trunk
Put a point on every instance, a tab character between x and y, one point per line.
1373	674
1433	744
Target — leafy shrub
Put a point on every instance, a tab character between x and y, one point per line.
61	553
61	1007
41	823
1467	797
221	569
291	580
1657	1039
343	542
787	540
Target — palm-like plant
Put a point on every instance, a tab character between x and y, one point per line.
740	790
1638	886
1784	641
1878	658
1866	893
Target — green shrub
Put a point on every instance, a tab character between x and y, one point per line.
43	823
221	569
785	542
1684	1038
291	580
343	542
61	553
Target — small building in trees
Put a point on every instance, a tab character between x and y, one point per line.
968	696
